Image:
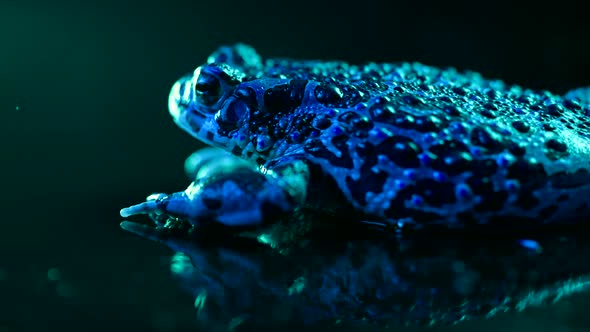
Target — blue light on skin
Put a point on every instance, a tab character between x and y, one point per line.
438	176
463	191
504	160
476	151
295	136
417	200
380	133
400	184
512	185
337	130
263	143
531	245
426	158
411	174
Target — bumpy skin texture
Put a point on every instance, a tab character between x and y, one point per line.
397	146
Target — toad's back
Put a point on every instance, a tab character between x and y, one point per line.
413	143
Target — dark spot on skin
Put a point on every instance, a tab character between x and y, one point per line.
488	114
568	180
452	110
347	117
563	198
344	95
284	98
487	139
491	200
516	149
428	123
400	150
236	150
555	110
382	113
491	93
247	95
260	160
362	123
412	100
328	94
555	149
387	113
521	126
452	157
322	122
209	136
556	145
445	99
484	167
318	150
369	181
458	128
527	201
436	193
530	173
212	203
340	142
398	209
365	150
467	219
425	87
460	91
548	211
406	121
571	104
490	106
524	99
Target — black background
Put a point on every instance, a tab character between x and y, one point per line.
84	129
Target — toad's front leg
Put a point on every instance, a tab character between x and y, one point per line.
242	197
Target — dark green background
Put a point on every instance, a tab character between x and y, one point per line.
84	129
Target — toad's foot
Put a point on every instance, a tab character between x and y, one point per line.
242	198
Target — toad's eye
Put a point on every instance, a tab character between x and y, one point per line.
208	89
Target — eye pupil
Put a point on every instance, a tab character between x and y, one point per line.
205	86
208	89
